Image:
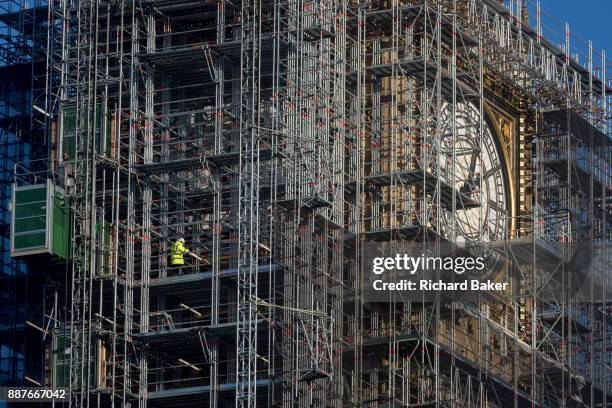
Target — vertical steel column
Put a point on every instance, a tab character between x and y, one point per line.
248	212
82	270
219	70
147	203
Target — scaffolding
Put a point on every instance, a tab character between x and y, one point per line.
280	137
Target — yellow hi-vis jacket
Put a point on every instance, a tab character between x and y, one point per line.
176	253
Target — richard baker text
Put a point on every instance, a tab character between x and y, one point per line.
430	285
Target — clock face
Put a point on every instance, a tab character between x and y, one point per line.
472	163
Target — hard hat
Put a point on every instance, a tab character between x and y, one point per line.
182	240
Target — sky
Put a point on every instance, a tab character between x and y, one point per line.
588	20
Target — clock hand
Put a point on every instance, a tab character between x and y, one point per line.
469	183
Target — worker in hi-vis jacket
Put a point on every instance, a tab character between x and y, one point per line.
177	252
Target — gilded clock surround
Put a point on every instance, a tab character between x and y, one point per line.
504	130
